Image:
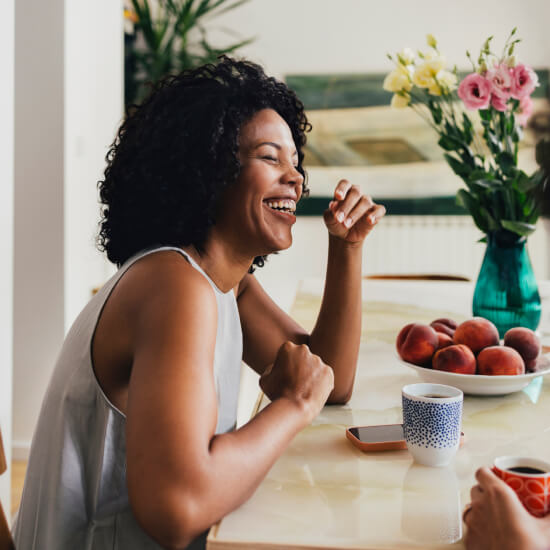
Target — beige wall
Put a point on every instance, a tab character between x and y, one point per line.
68	104
6	233
320	36
38	260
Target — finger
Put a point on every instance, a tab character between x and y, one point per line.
341	190
486	478
361	208
378	213
367	219
353	196
476	493
467	510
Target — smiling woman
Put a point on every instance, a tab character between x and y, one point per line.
136	446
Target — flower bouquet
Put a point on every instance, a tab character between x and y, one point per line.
480	123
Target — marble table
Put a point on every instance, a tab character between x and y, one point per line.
325	493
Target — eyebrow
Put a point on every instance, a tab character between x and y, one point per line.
273	144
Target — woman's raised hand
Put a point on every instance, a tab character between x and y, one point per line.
300	376
351	215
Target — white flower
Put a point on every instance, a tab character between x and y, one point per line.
401	100
424	75
397	81
406	56
444	82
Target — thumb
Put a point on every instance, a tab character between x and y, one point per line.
265	375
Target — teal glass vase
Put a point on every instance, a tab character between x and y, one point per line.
506	291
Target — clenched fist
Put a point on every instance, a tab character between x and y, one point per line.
300	376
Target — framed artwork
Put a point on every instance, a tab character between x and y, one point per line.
391	153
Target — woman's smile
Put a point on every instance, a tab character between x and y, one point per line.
264	198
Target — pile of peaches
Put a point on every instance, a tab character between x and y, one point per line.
473	347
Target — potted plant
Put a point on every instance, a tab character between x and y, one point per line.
502	199
167	36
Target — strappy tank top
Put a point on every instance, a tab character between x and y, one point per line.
75	495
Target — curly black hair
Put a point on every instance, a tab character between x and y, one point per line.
176	153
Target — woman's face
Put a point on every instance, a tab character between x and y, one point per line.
261	205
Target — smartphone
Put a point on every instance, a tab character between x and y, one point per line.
386	437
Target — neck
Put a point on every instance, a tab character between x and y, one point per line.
221	262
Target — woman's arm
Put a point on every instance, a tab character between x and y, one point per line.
337	332
181	477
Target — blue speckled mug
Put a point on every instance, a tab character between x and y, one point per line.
432	418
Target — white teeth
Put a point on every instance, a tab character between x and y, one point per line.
285	205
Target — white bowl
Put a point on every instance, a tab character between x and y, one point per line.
480	384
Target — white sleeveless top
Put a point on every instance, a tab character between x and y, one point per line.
75	495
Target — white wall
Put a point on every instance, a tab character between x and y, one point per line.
323	36
68	106
93	111
38	260
6	236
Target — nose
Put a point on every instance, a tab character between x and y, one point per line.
293	176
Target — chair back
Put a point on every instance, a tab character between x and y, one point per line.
6	541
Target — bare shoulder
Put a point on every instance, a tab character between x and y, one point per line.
167	280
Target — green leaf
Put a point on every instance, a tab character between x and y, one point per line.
483	183
506	162
435	109
492	224
495	146
485	114
520	228
526	183
468	128
466	200
448	143
458	167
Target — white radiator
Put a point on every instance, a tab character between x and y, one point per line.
399	244
437	244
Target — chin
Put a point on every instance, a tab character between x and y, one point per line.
281	243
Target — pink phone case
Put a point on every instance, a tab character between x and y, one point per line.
375	446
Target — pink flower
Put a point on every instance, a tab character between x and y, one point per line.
500	77
524	111
498	102
524	81
475	92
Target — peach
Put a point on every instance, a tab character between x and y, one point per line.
456	358
476	333
443	329
450	324
499	360
444	340
416	343
526	343
530	366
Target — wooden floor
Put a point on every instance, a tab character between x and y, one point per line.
18	468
